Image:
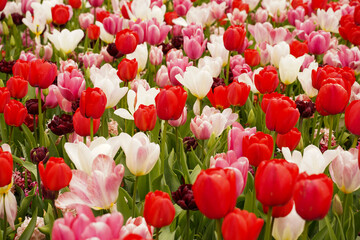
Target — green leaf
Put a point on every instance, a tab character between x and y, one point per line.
330	229
49	217
46	229
123	202
195	172
171	179
29	136
166	233
159	184
30	228
31	167
350	232
25	204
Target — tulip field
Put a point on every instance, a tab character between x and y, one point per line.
179	119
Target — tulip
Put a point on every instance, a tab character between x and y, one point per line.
352	117
145	117
240	224
92	103
312	196
170	102
158	209
42	74
298	49
126	41
201	127
156	32
56	175
279	190
71	85
156	55
281	116
252	57
65	40
184	197
14	113
141	154
62	125
21	68
266	81
176	66
210	64
315	4
2	4
82	124
277	52
93	32
181	7
4	98
60	14
289	68
137	225
85	19
181	120
238	93
141	55
258	148
75	4
216	97
215	192
319	42
280	211
6	162
217	49
113	24
289	227
96	3
345	172
290	139
127	69
194	47
17	86
236	136
234	37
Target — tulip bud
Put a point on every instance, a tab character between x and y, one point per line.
41	52
251	118
12	41
10	21
190	143
184	197
337	206
39	154
5	29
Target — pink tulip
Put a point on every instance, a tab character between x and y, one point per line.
162	77
71	84
261	15
239	165
140	28
89	59
236	136
194	30
156	55
181	7
217	10
201	127
158	3
137	226
51	100
67	65
134	84
177	66
85	19
96	3
280	34
64	104
26	6
113	24
181	120
296	14
156	32
303	29
48	51
28	56
319	42
193	47
174	54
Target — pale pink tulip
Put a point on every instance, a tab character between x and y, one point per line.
181	120
89	59
85	19
162	77
177	66
156	55
71	84
136	226
236	136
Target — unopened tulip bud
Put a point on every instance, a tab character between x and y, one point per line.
337	206
10	21
41	52
251	117
5	29
12	41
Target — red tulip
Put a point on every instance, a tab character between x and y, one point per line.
239	4
281	116
234	37
6	170
158	209
280	211
17	86
352	117
252	57
315	4
290	139
357	15
169	17
170	102
258	148
60	14
41	74
56	175
323	73
82	124
101	15
92	103
217	97
312	196
267	80
145	117
93	32
21	68
4	98
298	49
215	192
238	93
275	182
127	69
124	11
133	236
241	224
268	97
14	113
126	41
76	4
2	4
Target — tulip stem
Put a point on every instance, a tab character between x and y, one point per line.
228	69
218	229
163	142
268	224
187	232
91	129
157	233
5	221
304	235
331	123
134	196
41	131
3	128
39	181
55	209
346	207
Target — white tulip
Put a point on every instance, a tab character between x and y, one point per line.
289	227
210	64
306	82
104	35
289	68
141	55
65	40
276	52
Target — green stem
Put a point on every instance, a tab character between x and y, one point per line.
35	128
163	142
218	229
187	232
41	131
91	129
345	209
134	196
39	180
304	235
11	133
342	235
55	209
268	224
84	140
5	220
157	231
331	122
4	136
228	69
